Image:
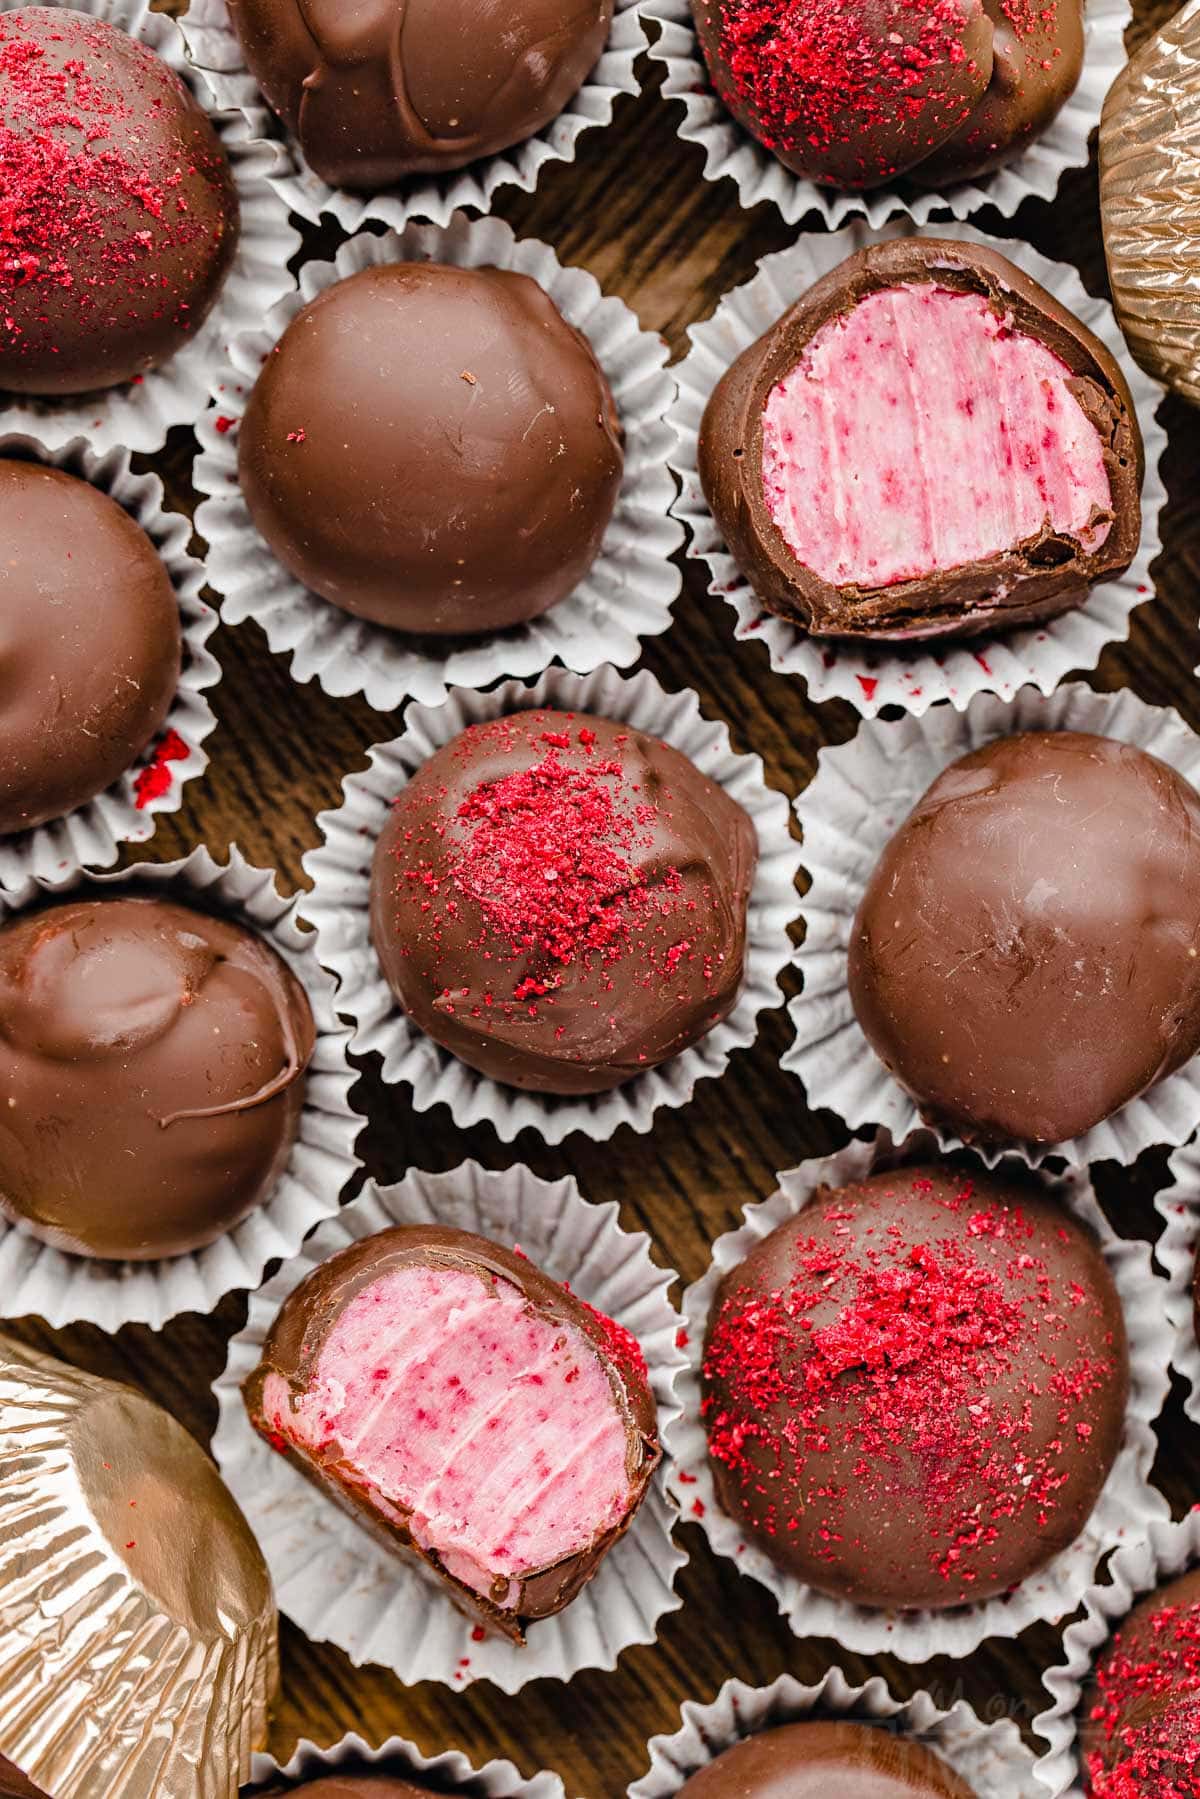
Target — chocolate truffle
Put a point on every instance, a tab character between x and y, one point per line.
390	88
120	214
560	901
914	1390
465	1408
433	448
1026	955
356	1786
927	444
852	95
152	1063
89	643
1140	1723
821	1760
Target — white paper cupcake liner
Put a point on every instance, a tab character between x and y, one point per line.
213	46
914	676
627	593
860	796
339	907
1126	1503
64	1289
990	1758
1164	1551
333	1579
729	150
138	415
92	834
1176	1251
449	1772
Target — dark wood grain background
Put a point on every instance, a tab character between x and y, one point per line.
635	210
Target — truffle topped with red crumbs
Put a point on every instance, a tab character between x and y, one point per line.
915	1389
118	212
1141	1716
560	900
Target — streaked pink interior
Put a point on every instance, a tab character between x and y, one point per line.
919	432
492	1432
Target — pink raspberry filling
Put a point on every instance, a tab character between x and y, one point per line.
492	1433
920	432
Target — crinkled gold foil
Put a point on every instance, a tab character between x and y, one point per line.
1150	201
138	1630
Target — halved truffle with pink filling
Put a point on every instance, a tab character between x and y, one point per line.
926	445
464	1407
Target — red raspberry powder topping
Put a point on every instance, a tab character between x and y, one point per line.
1147	1710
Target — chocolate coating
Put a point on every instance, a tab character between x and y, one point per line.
560	901
823	1760
390	88
292	1350
350	1786
15	1785
1139	1724
1026	956
1033	580
152	1063
90	643
121	215
915	1389
433	448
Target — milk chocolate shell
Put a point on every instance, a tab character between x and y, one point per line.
853	95
1026	955
433	448
915	1389
1140	1718
389	88
152	1063
926	445
560	901
120	212
352	1786
89	643
465	1408
821	1760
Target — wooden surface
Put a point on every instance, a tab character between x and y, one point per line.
635	210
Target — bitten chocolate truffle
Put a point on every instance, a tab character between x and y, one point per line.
1140	1721
90	643
391	88
465	1408
914	1390
120	213
822	1759
927	444
152	1063
1026	956
852	95
560	901
433	448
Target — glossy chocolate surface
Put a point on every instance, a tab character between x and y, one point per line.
826	1760
355	1786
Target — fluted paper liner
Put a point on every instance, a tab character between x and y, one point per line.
990	1758
1178	1204
860	796
339	903
1164	1551
138	414
449	1772
91	835
627	593
138	1652
1127	1502
213	46
915	675
729	150
342	1587
65	1289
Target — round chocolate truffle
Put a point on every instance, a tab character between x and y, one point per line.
152	1063
120	212
1026	956
357	1786
914	1390
390	88
853	95
90	643
561	901
433	448
1140	1721
815	1760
